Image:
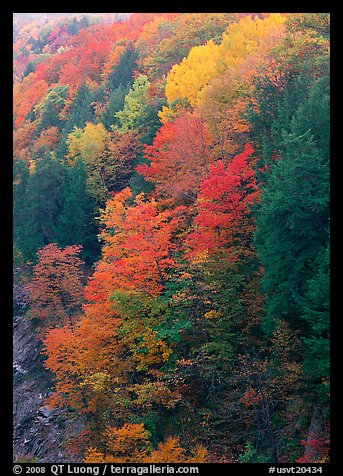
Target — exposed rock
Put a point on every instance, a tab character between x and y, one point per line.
38	431
18	368
45	411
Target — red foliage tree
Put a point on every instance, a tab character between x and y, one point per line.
85	54
224	224
179	157
317	447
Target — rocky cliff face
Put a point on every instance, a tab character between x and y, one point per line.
39	434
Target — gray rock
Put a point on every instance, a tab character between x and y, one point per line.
45	411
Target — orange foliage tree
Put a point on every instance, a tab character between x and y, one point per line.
26	95
22	139
56	290
108	364
48	138
137	245
82	359
130	444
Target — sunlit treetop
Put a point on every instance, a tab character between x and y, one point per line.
188	79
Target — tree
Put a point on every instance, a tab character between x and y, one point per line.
20	183
124	445
109	157
319	22
138	111
89	144
43	203
76	221
297	225
49	109
245	37
23	137
81	359
114	104
241	40
317	315
48	138
153	34
175	38
137	244
122	72
118	159
179	157
55	291
80	111
26	96
189	78
224	224
131	444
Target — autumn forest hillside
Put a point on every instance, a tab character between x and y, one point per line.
172	231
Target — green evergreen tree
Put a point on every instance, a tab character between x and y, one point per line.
317	315
44	202
292	221
76	224
81	110
115	104
48	111
121	75
20	183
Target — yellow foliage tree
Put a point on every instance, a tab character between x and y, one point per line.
242	45
247	36
89	144
245	49
189	78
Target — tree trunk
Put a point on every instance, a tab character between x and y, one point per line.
315	430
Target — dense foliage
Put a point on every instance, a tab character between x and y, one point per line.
171	203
